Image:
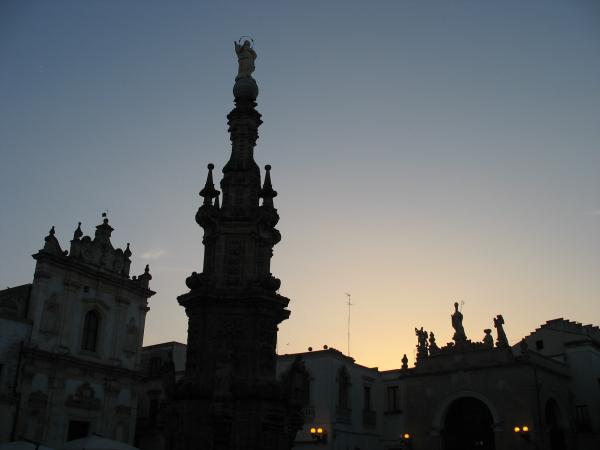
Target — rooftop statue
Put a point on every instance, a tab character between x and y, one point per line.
488	340
459	332
501	340
246	56
422	343
433	347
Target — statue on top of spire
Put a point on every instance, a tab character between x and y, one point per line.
246	56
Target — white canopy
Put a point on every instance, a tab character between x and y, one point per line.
94	442
23	445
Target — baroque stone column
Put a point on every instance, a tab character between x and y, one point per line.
229	398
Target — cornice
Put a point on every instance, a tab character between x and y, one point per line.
84	269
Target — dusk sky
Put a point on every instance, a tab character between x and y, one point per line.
425	152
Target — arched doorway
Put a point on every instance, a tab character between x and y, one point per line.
556	434
468	425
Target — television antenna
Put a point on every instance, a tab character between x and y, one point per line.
350	304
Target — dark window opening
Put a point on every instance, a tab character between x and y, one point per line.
78	429
153	413
343	389
86	289
393	399
91	324
582	419
367	397
539	345
155	365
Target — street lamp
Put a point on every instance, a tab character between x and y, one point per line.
522	431
406	439
319	434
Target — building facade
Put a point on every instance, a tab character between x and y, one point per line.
162	366
539	393
70	343
578	347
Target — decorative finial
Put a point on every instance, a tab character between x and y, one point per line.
147	268
127	252
209	192
78	233
51	232
105	217
267	193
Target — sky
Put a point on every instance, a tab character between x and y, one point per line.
425	152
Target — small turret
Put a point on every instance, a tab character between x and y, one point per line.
51	244
209	192
267	193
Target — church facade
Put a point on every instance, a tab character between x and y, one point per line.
70	343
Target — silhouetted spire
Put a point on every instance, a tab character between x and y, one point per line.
217	204
78	233
127	252
209	192
267	193
51	244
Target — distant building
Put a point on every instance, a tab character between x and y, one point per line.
464	395
161	367
70	343
344	399
578	347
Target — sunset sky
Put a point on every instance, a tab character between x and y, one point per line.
424	152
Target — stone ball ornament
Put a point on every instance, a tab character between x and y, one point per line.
245	88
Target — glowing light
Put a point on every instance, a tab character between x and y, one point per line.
313	430
320	430
406	436
517	430
525	428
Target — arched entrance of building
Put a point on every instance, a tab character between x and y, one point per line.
556	434
468	425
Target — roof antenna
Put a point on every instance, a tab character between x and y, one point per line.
349	305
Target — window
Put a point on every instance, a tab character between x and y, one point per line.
367	397
86	289
343	388
91	324
155	365
393	399
539	345
582	418
78	429
153	412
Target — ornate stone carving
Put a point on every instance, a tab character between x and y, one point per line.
488	340
433	347
84	398
501	340
459	332
246	57
422	352
229	390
